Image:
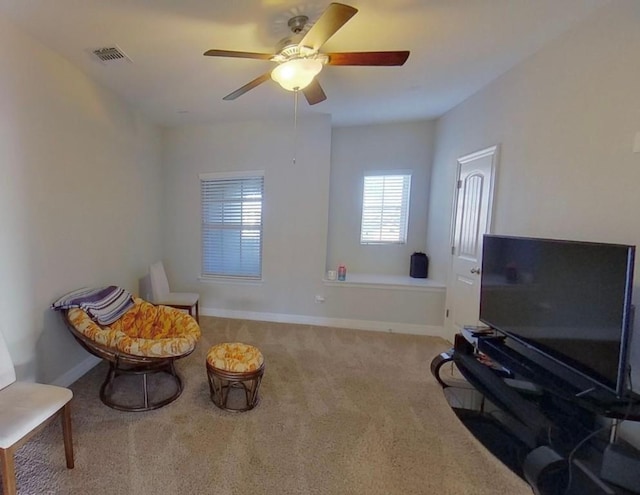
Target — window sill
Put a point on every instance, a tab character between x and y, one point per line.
393	282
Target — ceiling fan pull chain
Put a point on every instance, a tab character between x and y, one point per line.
295	125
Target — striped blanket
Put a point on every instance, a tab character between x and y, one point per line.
104	305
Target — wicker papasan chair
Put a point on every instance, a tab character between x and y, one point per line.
145	340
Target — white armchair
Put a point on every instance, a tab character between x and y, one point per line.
161	294
25	408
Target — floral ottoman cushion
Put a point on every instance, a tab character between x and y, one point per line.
235	356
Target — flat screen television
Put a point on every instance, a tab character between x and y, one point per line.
567	300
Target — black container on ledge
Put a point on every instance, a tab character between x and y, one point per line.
419	266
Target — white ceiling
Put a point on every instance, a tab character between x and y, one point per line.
457	47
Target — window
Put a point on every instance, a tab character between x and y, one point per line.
232	224
385	209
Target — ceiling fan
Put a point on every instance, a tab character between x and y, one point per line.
300	62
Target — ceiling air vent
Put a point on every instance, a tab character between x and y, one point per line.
111	54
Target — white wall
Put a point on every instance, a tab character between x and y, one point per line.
295	226
79	203
356	151
565	119
295	209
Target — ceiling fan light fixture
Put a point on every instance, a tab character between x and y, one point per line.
296	74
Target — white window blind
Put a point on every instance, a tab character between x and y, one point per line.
232	226
385	209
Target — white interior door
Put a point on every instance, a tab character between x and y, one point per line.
471	220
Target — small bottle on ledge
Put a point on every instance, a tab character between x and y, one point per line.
342	273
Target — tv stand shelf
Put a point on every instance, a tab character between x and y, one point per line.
596	400
545	416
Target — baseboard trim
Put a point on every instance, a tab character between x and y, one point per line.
377	326
76	372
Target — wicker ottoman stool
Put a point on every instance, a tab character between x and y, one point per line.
233	365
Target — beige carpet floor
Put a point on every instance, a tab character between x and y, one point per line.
341	412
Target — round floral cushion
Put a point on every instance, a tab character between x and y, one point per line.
235	356
145	330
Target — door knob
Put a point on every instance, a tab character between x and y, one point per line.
475	270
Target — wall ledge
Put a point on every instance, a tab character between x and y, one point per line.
393	282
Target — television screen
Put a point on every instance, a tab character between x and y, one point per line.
569	300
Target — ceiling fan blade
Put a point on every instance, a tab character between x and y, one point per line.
368	58
327	25
314	93
250	85
233	54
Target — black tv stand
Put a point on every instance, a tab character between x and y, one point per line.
547	417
